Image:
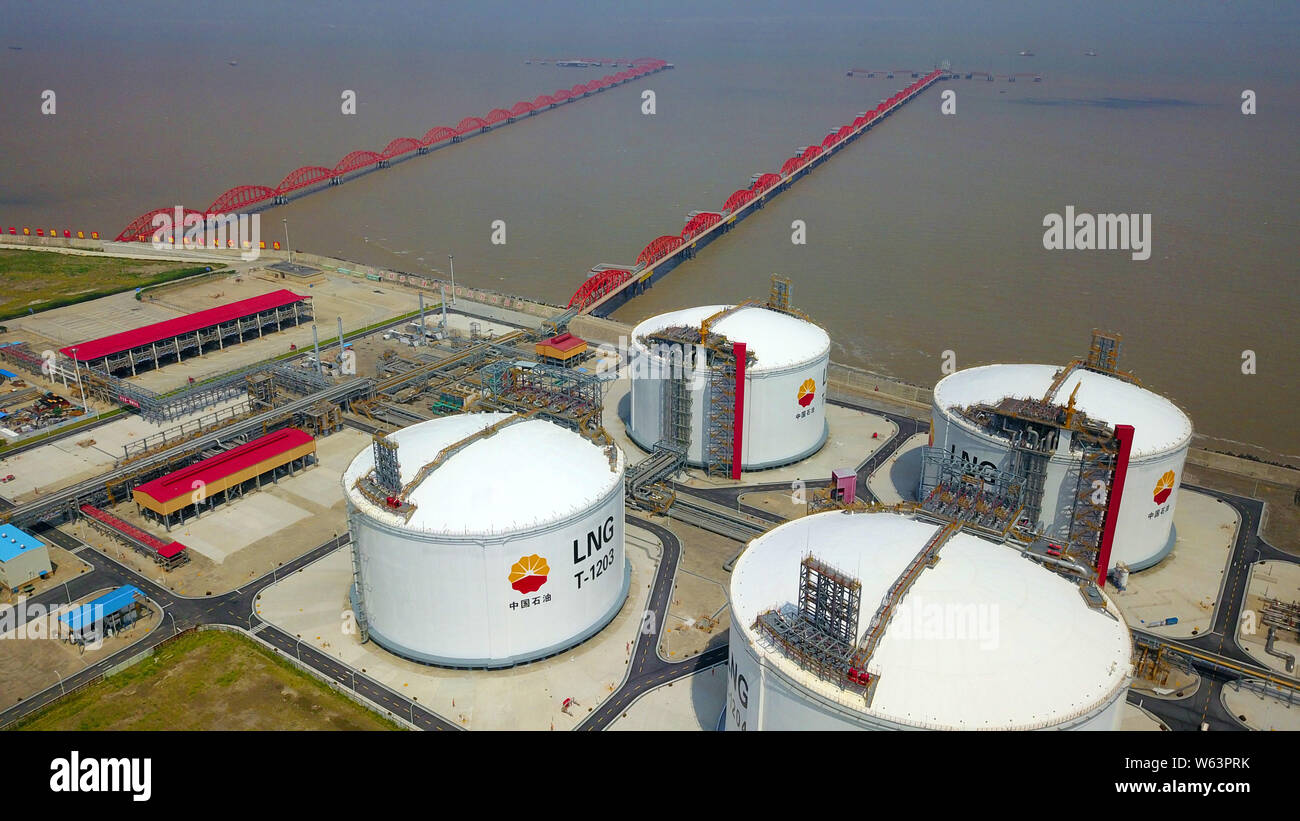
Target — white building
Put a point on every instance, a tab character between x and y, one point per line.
983	640
23	557
784	407
1162	433
508	550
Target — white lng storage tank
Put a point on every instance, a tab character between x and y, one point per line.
1144	532
784	418
509	548
985	639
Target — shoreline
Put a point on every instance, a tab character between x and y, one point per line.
1207	450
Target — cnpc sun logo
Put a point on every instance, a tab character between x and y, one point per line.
529	573
1164	487
807	392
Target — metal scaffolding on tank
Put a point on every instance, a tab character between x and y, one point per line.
1037	430
820	632
725	363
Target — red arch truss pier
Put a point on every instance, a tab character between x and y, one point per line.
242	197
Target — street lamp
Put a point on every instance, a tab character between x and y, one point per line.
287	246
61	690
451	263
172	616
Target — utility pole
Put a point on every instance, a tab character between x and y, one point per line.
451	263
315	344
421	295
77	370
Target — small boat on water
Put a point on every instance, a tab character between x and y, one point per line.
1092	52
1026	53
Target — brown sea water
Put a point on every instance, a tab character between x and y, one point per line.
923	237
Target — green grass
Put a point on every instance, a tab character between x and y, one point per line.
208	680
40	280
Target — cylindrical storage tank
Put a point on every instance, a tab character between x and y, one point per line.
983	640
784	408
1161	435
514	550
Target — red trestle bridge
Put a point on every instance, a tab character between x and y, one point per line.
889	73
609	286
315	177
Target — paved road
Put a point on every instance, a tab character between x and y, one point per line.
730	496
234	609
647	669
1202	706
1205	704
109	418
1188	713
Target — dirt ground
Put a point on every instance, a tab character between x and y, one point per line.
82	455
1280	581
208	681
244	539
64	567
312	605
699	615
1282	527
780	502
204	577
1178	685
31	661
359	303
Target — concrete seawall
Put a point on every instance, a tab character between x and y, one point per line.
431	284
54	243
848	380
845	378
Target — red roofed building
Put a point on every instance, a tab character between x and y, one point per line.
218	478
564	350
192	332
